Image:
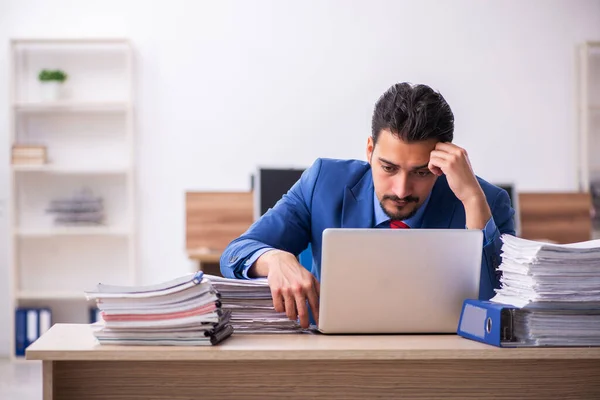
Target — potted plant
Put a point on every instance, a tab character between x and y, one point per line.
52	82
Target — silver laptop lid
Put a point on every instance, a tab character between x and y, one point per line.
397	280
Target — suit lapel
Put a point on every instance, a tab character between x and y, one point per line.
357	207
441	207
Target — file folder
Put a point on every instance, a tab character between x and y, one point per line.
20	331
45	320
33	326
94	315
30	324
487	322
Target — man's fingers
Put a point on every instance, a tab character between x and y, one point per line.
440	154
437	165
436	170
302	310
290	305
313	301
449	148
277	300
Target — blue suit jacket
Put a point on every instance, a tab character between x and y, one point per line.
339	193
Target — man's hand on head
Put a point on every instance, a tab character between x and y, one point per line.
291	285
453	161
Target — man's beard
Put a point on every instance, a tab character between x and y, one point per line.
398	215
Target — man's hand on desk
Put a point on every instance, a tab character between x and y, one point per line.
291	285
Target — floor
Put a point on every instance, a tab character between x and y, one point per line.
21	380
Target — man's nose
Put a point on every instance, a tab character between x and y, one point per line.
402	187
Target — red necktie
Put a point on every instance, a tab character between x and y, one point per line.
394	224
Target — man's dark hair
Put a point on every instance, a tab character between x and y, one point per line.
413	113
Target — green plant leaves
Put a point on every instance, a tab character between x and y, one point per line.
52	75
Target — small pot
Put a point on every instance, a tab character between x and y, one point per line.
51	90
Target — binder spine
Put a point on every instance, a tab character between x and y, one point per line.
20	332
45	320
487	322
33	326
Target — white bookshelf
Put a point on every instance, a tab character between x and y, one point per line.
89	138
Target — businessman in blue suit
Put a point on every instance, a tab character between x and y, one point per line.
415	178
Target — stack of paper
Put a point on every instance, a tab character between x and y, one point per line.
251	306
556	287
555	327
536	273
183	311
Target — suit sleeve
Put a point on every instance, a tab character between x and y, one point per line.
286	226
502	222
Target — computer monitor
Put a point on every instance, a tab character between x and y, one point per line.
269	184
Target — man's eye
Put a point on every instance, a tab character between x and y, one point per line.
387	168
423	173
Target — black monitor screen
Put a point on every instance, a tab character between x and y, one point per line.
511	192
274	183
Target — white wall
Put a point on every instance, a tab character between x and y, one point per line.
225	85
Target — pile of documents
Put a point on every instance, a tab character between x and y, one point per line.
251	305
556	289
183	311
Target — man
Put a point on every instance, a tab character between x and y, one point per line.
415	178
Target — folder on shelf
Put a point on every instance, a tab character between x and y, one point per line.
44	320
33	327
30	324
20	331
94	315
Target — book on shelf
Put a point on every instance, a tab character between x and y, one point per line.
29	154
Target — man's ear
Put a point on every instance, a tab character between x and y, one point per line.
370	148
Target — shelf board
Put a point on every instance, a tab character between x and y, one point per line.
73	231
61	40
72	106
59	169
50	295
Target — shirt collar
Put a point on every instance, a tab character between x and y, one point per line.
414	222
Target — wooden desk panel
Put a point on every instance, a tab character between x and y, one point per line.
448	379
310	366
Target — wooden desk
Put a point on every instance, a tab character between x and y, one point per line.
311	366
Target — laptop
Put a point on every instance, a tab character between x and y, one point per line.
397	280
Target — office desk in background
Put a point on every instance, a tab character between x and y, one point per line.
311	366
208	260
213	219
